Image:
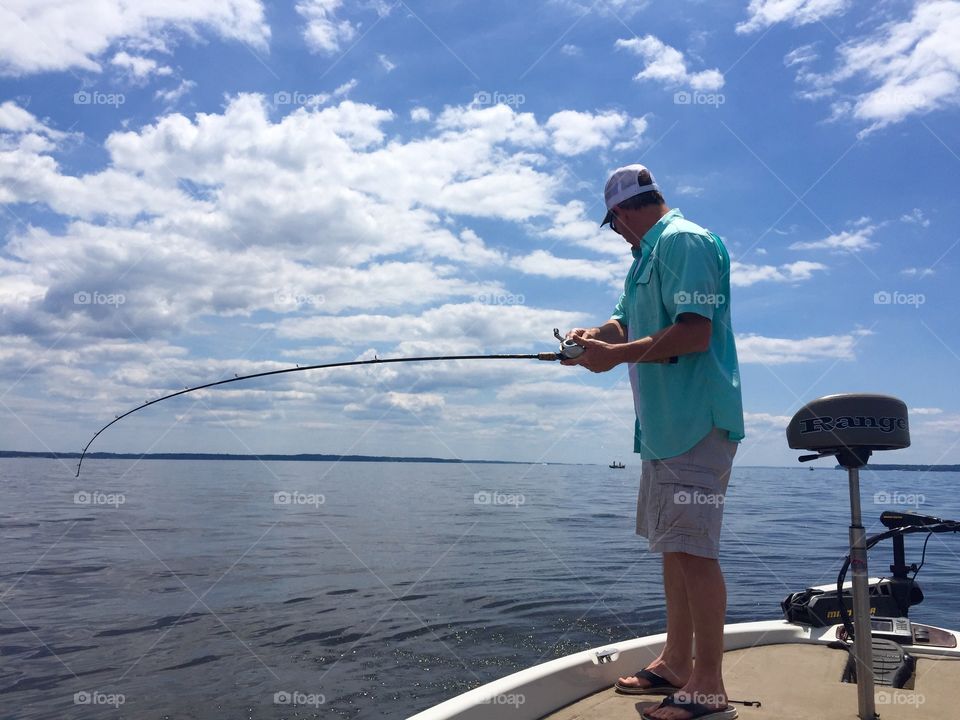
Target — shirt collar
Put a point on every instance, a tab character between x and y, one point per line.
652	235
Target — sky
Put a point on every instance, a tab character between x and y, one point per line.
196	189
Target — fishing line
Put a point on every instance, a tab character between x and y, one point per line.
567	350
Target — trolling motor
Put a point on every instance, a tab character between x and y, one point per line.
851	427
890	597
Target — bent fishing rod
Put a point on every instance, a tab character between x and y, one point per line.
567	351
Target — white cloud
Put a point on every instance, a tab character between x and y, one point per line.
764	13
949	424
574	133
63	34
762	420
571	50
778	351
386	63
542	262
15	119
916	217
170	96
802	55
345	89
692	190
746	274
376	405
917	272
225	213
571	224
925	411
667	65
420	114
139	68
905	68
462	327
323	32
855	240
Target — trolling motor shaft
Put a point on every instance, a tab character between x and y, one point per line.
851	427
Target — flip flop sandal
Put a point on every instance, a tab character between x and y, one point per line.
696	710
659	685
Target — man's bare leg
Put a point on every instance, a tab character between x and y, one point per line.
706	594
675	661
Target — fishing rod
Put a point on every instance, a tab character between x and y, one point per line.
568	350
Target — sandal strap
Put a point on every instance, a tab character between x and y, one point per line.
653	678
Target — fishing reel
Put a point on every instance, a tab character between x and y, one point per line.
568	348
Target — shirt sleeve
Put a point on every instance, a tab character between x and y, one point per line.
620	311
690	275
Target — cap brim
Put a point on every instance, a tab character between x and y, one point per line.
607	218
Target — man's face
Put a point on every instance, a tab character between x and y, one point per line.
621	225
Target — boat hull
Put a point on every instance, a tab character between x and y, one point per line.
538	691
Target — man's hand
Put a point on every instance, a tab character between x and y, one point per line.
588	333
597	356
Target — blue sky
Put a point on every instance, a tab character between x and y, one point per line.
197	189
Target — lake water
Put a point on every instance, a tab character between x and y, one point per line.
221	589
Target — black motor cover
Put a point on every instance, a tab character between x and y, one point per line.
854	420
820	608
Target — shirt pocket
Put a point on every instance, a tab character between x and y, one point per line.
643	277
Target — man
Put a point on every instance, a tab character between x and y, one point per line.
672	327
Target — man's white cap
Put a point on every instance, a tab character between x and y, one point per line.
624	183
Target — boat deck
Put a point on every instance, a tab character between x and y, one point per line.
798	682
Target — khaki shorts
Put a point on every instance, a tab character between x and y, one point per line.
680	504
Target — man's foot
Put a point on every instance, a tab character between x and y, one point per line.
716	700
676	675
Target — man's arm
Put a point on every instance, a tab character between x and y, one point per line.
690	334
611	332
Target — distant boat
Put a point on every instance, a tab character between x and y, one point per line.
617	465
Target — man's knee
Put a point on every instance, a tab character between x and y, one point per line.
689	560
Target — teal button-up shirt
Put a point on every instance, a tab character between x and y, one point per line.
681	268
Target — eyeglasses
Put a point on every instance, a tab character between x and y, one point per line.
613	224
